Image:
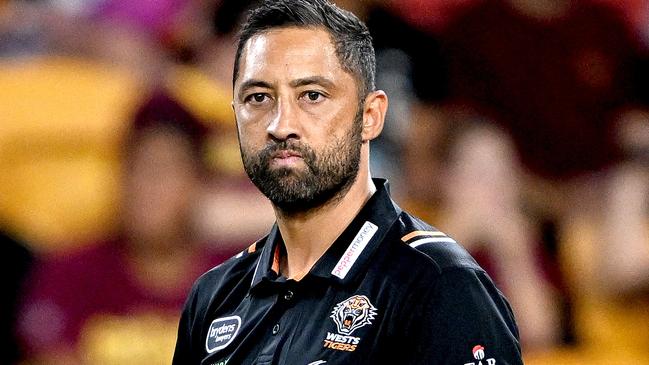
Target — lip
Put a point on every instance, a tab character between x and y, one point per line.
286	158
284	154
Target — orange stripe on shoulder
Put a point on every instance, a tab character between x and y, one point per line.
252	248
421	233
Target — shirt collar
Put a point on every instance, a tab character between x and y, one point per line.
348	255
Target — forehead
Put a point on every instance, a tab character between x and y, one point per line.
290	53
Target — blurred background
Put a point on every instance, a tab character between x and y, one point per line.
518	127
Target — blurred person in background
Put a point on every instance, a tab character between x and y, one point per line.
116	302
65	109
536	125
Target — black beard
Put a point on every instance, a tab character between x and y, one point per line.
327	177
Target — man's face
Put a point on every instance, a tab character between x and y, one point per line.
299	118
159	184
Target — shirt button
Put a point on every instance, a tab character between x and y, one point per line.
276	329
288	296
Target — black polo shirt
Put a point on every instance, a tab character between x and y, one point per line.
390	290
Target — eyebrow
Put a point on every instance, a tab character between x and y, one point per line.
311	80
254	83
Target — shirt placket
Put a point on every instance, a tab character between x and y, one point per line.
280	327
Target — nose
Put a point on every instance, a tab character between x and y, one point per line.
285	124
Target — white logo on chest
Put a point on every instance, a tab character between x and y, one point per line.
222	332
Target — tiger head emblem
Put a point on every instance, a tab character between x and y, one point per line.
353	313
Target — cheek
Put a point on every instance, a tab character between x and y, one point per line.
250	150
250	127
248	142
339	119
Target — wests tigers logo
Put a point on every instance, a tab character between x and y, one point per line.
353	313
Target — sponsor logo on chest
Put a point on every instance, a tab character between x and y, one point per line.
221	333
354	249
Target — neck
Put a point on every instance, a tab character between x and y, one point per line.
160	264
308	235
158	246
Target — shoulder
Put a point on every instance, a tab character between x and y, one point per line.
450	293
417	259
422	242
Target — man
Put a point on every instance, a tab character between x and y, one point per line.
345	276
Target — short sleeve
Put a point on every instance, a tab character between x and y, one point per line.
463	319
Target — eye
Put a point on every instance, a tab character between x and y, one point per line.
313	96
256	98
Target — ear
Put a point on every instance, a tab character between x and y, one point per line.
374	109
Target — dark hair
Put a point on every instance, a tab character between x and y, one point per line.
350	36
161	111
